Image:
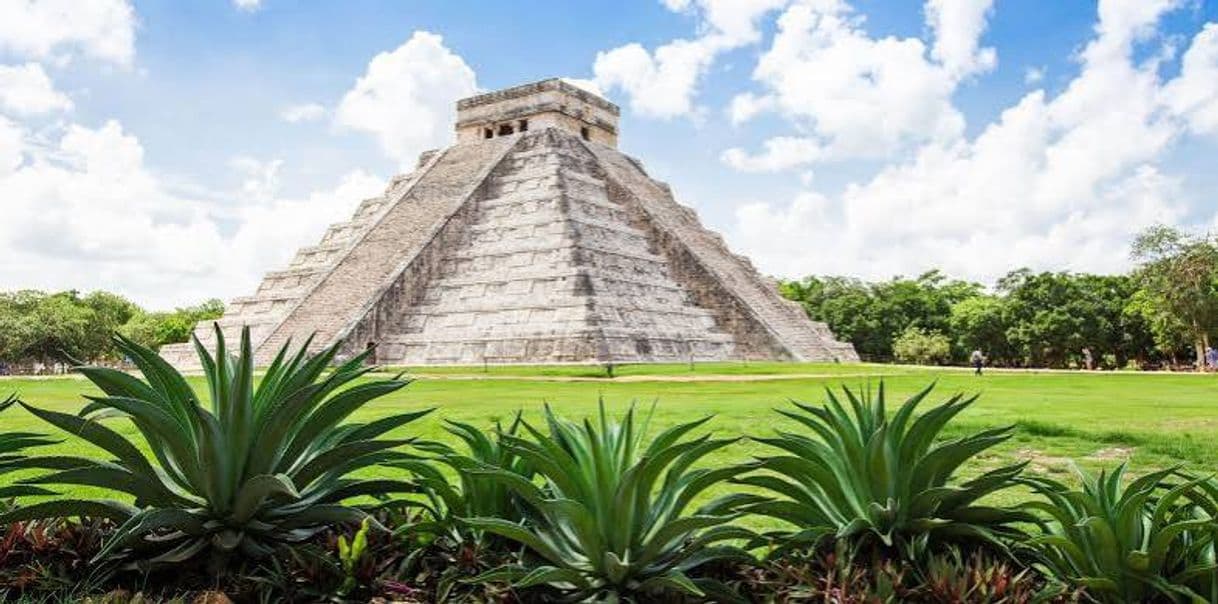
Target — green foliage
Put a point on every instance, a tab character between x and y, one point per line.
920	347
979	323
350	553
267	464
868	478
40	327
609	520
1154	537
844	576
476	495
1179	273
155	329
1051	317
12	450
872	315
1033	319
1165	331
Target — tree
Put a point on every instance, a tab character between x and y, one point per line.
922	347
871	315
980	323
1179	273
39	327
110	312
1167	334
156	329
59	329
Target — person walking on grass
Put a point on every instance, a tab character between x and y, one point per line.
978	361
1211	358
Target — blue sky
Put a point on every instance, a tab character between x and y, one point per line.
176	150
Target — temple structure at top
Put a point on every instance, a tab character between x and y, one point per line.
530	240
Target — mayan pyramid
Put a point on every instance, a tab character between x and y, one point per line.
531	240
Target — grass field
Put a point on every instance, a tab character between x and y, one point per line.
1094	419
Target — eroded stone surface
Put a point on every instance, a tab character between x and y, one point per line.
534	246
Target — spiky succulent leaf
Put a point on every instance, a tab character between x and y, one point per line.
1150	539
265	462
611	514
854	472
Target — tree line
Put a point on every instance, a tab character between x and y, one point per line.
1162	313
41	330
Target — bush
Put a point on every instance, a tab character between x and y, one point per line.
1154	538
609	519
920	347
265	465
881	481
475	495
843	577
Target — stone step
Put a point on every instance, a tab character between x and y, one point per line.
341	297
554	301
506	333
535	273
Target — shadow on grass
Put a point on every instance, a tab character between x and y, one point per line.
1181	446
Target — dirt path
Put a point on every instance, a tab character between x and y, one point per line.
647	378
897	370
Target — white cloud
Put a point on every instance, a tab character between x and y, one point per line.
661	86
958	25
58	29
260	178
85	212
746	105
248	6
306	112
663	83
855	96
1059	182
1194	94
407	97
11	147
1033	75
27	90
781	153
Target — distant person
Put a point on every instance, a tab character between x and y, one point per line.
978	361
1088	361
1211	358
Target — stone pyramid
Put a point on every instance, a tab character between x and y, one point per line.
531	240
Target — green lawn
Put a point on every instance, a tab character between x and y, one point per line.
1094	419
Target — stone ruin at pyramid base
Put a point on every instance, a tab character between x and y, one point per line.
531	240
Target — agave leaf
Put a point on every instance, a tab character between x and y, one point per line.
99	435
24	490
870	476
69	508
552	575
255	491
150	521
519	534
671	581
210	481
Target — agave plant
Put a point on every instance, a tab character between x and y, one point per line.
610	519
863	476
263	464
1153	538
12	449
475	495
